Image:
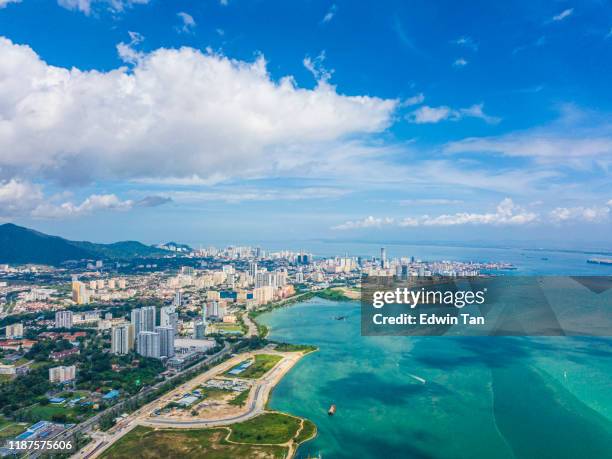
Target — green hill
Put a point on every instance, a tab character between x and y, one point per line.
24	245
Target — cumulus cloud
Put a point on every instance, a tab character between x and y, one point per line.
175	113
563	14
21	198
427	114
461	62
368	222
580	214
507	213
86	6
330	14
188	23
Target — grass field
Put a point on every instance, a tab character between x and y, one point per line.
10	429
274	428
263	363
307	432
46	412
240	399
147	443
288	347
213	393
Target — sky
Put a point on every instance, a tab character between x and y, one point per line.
234	121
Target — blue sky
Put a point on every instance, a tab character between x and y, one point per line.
258	121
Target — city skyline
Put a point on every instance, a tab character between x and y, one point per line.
191	122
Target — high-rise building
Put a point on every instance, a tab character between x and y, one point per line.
253	269
178	299
168	318
14	331
383	257
62	374
63	319
135	319
122	339
148	318
166	341
147	344
199	330
80	295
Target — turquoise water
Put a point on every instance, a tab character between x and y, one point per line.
482	397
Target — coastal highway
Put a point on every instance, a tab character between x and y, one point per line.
255	405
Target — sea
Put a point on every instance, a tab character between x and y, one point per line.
447	397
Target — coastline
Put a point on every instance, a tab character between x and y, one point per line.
256	405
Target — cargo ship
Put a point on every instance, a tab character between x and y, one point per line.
332	410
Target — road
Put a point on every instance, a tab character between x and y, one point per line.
255	405
86	426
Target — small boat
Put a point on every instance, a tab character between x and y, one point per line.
332	410
340	317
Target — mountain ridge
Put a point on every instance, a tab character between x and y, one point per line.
19	244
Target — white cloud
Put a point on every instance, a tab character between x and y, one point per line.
223	2
466	42
533	146
188	23
93	203
330	14
127	51
427	114
414	100
582	214
86	6
368	222
461	62
4	3
506	214
563	14
316	67
176	113
22	198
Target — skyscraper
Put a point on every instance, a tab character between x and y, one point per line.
166	341
383	257
122	339
148	344
135	319
147	316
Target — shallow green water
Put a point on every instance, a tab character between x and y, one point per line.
482	397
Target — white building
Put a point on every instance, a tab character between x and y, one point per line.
148	344
166	341
62	374
122	339
63	319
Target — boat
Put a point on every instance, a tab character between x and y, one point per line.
600	261
332	410
340	317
